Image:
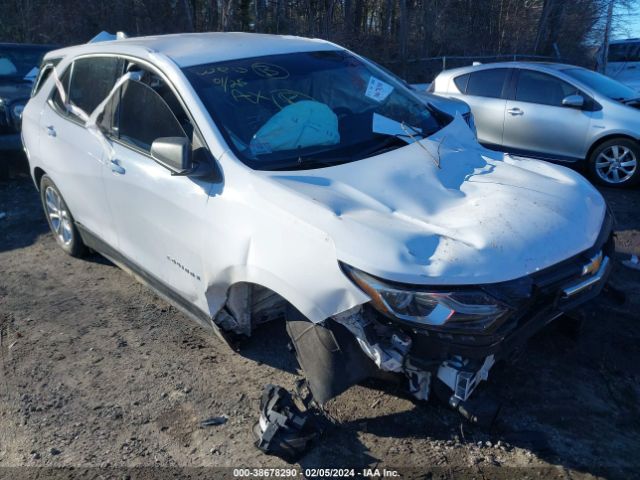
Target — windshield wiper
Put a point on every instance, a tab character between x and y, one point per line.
305	161
390	142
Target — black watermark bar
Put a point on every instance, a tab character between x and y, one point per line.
295	471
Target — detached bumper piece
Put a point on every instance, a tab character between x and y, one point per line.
463	382
481	410
283	430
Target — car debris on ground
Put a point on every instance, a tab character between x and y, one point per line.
214	421
633	262
283	429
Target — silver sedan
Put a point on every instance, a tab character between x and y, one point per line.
555	112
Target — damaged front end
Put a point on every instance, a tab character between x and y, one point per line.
443	340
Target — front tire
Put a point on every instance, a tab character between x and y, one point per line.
60	219
616	163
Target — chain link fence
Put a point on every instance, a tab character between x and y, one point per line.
424	70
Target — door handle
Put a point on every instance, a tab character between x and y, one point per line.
515	111
116	167
51	131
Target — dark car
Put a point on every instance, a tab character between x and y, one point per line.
17	64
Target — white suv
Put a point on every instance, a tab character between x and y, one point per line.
248	178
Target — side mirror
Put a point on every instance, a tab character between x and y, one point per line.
573	101
173	153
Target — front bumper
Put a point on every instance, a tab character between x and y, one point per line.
462	359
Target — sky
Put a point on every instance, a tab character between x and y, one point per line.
628	23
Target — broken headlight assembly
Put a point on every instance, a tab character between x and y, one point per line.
456	309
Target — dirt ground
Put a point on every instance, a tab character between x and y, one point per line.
97	373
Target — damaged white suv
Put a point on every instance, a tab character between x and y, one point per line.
248	178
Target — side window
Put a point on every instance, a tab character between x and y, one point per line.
537	87
487	83
144	116
91	81
618	52
461	82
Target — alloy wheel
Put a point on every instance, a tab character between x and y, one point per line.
616	164
58	216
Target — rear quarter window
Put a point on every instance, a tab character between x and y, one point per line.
487	83
461	82
45	72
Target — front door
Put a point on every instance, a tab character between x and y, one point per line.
537	123
157	214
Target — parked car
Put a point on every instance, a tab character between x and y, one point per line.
248	178
623	62
554	112
18	66
16	62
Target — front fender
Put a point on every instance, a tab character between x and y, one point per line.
251	239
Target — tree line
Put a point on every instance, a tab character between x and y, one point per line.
400	34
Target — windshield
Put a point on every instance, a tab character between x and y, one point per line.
602	84
310	109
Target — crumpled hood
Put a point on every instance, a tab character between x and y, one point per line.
482	217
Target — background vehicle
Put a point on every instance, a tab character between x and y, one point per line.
623	62
553	112
17	64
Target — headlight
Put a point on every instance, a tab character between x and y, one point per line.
470	310
17	110
3	114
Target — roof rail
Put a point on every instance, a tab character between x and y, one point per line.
107	37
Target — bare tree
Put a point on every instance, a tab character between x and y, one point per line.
396	33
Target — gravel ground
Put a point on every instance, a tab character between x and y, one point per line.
96	371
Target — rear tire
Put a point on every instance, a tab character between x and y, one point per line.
616	163
60	219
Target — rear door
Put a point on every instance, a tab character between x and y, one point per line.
158	215
72	154
485	92
537	123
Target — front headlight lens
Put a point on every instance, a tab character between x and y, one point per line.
17	110
464	309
